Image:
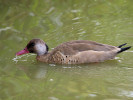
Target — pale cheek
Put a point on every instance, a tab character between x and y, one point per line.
41	49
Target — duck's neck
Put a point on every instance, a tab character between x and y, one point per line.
43	58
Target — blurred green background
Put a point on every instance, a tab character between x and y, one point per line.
58	21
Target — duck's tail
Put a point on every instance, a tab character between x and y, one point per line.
123	49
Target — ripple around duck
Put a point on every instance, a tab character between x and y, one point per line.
22	58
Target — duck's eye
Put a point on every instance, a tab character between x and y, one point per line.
32	44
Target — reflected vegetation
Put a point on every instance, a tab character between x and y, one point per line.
57	21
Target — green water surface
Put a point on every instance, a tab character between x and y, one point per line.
58	21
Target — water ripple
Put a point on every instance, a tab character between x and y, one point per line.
19	58
127	93
75	11
5	29
76	18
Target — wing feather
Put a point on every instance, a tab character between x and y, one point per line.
73	47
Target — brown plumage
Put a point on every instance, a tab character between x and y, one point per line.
73	52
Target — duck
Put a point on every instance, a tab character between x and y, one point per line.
73	52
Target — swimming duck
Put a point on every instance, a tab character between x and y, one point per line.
72	52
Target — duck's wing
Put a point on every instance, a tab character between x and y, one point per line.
84	45
73	47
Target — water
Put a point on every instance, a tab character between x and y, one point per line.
58	21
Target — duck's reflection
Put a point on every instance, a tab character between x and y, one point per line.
42	70
35	72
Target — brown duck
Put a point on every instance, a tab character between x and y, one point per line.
73	52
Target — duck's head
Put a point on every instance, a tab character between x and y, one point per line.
35	46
